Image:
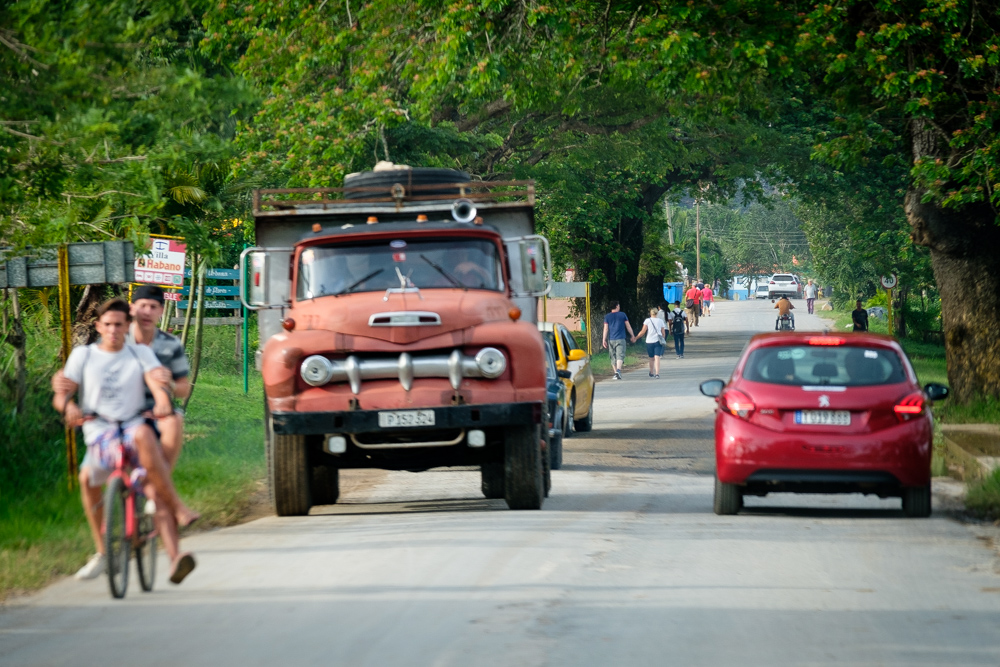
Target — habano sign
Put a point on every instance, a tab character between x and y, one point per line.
164	265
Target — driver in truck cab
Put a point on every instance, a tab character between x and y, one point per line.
784	307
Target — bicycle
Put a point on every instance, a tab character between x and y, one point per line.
127	526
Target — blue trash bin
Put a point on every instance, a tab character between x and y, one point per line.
672	292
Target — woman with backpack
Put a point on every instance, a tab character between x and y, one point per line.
678	323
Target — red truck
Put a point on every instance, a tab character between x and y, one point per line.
397	329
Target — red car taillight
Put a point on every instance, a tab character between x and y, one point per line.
910	406
737	403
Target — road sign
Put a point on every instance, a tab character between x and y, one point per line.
889	281
164	265
89	264
216	290
233	304
567	290
218	274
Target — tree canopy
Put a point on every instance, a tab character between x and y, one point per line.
877	120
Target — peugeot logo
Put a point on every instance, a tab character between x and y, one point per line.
824	401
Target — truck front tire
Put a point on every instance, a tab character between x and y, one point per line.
289	474
523	471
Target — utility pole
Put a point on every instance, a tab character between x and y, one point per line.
697	240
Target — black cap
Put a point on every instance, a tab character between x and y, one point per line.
148	292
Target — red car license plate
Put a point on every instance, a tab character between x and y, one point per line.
823	417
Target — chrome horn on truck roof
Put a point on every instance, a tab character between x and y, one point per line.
463	210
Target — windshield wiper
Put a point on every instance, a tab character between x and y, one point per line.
368	277
444	273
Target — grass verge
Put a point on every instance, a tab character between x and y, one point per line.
43	534
982	499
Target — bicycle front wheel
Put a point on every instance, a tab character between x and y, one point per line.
117	544
145	549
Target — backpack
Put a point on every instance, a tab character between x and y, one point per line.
677	325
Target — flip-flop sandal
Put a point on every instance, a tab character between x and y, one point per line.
189	523
183	566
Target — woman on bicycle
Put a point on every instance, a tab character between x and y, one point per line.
112	378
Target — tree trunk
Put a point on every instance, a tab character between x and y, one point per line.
191	294
84	332
20	342
963	245
899	311
198	328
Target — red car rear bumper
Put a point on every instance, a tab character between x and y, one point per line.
745	452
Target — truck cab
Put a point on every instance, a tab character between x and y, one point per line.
397	332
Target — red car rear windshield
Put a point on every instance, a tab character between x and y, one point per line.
809	365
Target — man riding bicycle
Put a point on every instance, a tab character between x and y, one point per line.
111	377
785	309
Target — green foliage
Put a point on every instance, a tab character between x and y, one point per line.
900	70
761	238
982	499
105	102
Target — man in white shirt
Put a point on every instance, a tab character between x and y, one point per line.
112	378
810	295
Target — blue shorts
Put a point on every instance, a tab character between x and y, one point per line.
654	350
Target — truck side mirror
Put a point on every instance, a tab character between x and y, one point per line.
532	262
264	278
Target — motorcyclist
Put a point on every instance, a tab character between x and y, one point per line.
784	307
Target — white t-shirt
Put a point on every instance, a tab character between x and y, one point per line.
810	291
113	387
654	326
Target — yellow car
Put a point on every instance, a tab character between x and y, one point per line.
580	384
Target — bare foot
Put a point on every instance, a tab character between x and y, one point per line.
186	516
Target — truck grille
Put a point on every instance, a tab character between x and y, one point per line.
488	363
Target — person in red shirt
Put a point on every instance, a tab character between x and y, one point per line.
706	300
692	303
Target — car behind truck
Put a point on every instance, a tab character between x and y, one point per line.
397	330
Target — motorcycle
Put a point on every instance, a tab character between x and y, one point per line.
785	323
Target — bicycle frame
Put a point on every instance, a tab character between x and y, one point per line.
125	473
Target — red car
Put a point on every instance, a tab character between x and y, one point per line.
821	413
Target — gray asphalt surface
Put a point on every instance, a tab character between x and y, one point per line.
626	564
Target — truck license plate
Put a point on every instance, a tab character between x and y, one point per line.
397	418
823	417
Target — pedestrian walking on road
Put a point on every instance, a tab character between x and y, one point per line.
810	293
860	317
691	303
707	297
655	329
678	323
615	326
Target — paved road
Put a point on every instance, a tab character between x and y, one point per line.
625	565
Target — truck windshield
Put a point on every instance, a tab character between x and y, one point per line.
426	264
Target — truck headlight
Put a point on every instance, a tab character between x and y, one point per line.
491	362
316	370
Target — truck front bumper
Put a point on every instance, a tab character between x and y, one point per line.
445	417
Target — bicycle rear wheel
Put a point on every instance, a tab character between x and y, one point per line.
145	548
117	545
